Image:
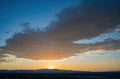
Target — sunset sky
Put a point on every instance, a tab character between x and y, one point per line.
79	35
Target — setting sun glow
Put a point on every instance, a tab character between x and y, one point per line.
51	67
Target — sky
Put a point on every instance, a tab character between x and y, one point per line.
79	35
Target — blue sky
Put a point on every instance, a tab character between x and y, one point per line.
39	13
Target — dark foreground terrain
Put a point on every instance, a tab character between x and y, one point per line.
56	74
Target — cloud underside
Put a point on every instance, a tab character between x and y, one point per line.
89	19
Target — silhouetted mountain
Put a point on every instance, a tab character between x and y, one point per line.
40	71
56	74
51	71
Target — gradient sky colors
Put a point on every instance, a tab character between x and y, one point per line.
64	34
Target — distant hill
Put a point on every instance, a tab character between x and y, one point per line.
56	74
40	71
50	71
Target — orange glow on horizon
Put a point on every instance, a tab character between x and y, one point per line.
51	67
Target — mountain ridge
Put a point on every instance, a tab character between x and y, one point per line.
48	71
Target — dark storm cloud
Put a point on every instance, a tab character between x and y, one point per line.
90	18
34	44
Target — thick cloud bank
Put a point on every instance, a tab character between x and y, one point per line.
89	19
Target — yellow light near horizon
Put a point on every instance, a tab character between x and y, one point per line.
51	67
